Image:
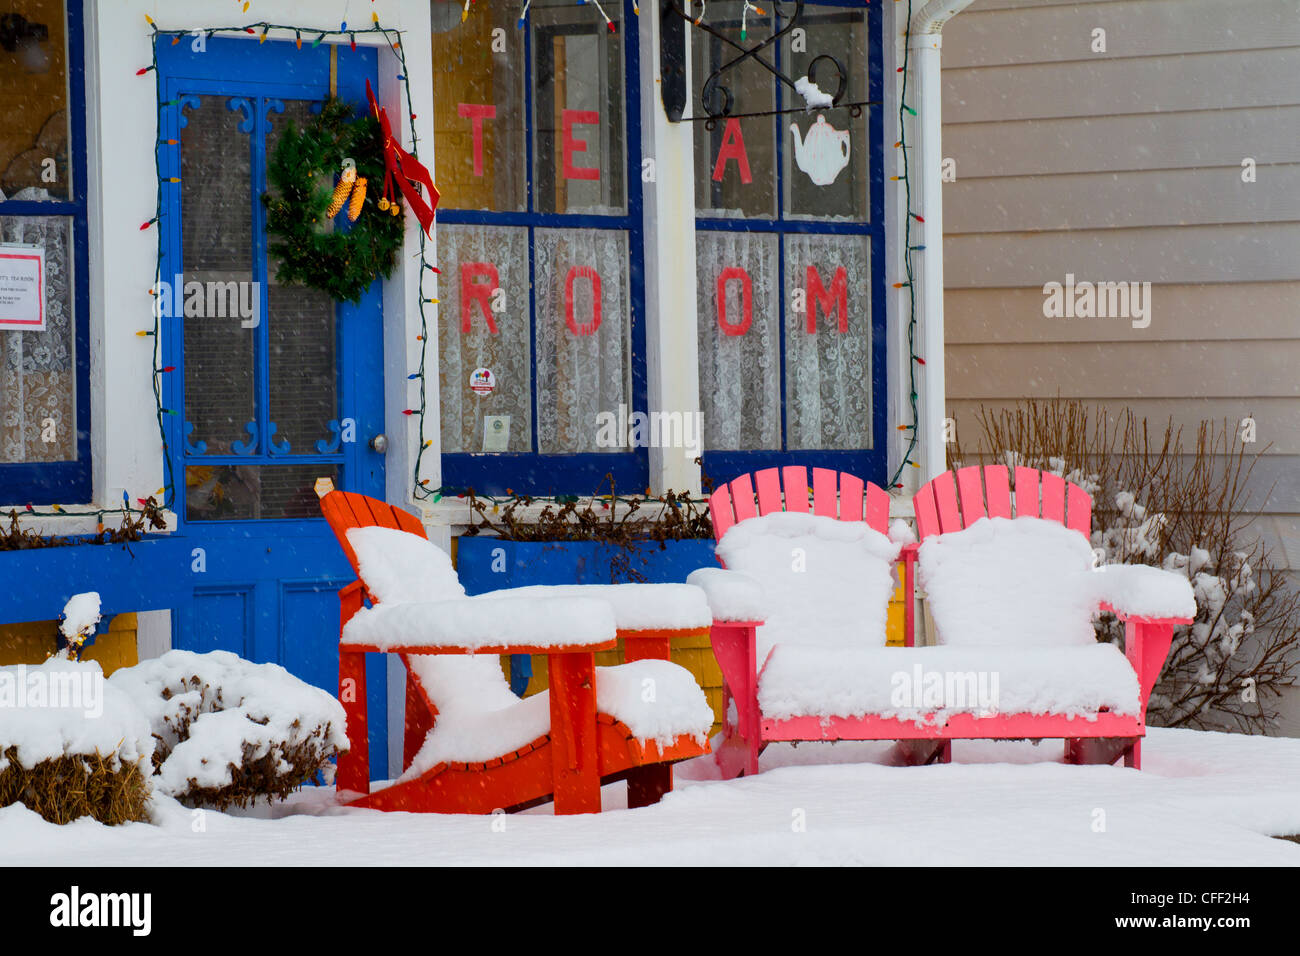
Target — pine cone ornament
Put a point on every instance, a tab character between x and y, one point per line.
358	197
346	181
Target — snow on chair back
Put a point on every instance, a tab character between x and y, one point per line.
834	495
953	502
344	510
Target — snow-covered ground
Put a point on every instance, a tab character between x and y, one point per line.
1203	799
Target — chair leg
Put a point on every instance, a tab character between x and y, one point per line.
354	766
576	774
1133	758
647	785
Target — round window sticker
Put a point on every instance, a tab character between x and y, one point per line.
482	381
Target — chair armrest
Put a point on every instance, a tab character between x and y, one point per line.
637	607
1142	593
464	626
732	595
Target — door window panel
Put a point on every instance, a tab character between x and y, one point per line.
254	492
216	247
301	341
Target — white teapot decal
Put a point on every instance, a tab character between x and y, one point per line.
823	152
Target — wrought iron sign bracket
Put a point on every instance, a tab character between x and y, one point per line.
717	98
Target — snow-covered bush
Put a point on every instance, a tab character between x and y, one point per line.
1158	504
71	744
229	731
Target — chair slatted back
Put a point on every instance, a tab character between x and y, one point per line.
345	509
952	502
834	495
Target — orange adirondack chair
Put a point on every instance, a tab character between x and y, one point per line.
582	749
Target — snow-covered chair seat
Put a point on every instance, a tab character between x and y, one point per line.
800	619
932	683
471	744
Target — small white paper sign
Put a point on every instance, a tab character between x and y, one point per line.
496	432
22	287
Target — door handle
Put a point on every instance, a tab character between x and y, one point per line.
379	444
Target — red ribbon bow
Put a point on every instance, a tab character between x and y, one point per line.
404	169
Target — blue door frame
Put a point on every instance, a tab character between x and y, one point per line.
267	589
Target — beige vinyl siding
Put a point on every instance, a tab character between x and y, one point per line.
1126	166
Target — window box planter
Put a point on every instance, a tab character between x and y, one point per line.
140	576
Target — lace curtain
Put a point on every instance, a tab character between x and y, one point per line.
475	261
38	371
583	327
739	349
828	364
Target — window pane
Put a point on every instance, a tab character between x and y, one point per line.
735	167
578	110
38	370
302	338
828	346
740	364
483	325
216	247
825	166
34	148
479	113
583	330
254	492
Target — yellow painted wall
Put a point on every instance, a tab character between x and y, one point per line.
33	642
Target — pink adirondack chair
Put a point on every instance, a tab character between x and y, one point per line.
844	683
833	495
953	502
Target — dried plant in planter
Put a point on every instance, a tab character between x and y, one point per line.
229	731
1156	503
628	525
135	525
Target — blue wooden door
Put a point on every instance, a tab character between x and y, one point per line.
272	386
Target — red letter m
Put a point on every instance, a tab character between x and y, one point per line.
819	300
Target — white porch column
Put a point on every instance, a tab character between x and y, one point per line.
672	359
929	274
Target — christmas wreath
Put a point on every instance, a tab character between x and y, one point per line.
313	247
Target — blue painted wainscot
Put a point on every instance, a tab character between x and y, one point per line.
490	564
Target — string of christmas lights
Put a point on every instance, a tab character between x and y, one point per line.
908	249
